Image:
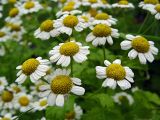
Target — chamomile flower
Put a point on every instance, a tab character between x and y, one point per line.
7	99
114	73
148	4
75	3
41	104
64	52
102	33
105	4
4	34
68	10
92	3
1	8
3	83
30	7
35	68
104	18
2	51
14	15
8	116
122	98
43	118
23	102
75	114
8	1
17	88
142	48
155	10
46	30
68	23
60	86
123	4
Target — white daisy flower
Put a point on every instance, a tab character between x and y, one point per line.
30	7
105	4
43	118
2	51
148	4
122	98
60	86
16	88
75	3
68	10
46	30
4	34
104	18
14	15
1	8
92	3
68	23
155	10
64	52
102	33
114	73
8	116
35	68
123	4
23	102
75	114
142	48
7	99
8	1
3	83
41	104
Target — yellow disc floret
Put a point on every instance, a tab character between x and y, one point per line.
154	2
2	34
47	25
116	72
92	1
70	21
13	12
12	1
29	5
61	84
101	30
69	49
123	2
43	103
29	66
15	27
140	44
93	12
68	8
24	101
70	116
7	96
71	3
5	118
102	16
157	8
16	89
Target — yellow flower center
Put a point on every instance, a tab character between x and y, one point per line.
68	8
13	12
12	1
47	25
5	118
93	12
7	96
16	89
101	30
71	3
69	49
23	101
116	72
29	5
61	84
102	16
123	99
29	66
70	21
85	18
2	34
157	8
151	2
0	83
140	44
62	1
92	1
15	27
123	2
104	1
70	115
43	103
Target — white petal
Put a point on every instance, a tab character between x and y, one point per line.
78	90
51	99
107	63
117	61
124	84
142	58
60	100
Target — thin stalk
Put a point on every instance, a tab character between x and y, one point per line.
145	20
71	67
104	53
149	27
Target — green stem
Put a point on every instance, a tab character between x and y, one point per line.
145	20
6	48
149	27
104	53
71	67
